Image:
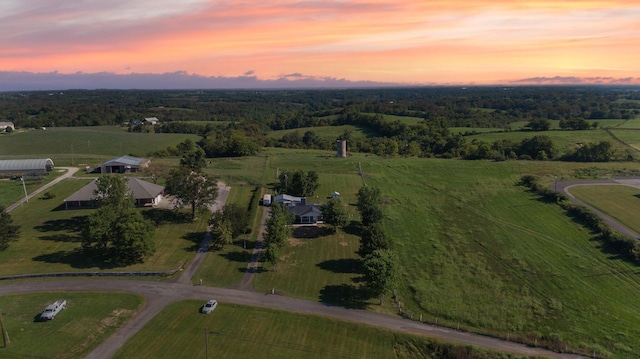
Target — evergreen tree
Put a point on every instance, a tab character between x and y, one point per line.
8	231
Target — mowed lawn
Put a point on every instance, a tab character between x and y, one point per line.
89	319
13	190
67	145
50	237
235	331
620	202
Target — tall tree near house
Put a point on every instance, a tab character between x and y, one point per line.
222	232
299	183
193	156
372	238
237	216
381	272
116	230
276	234
334	213
8	231
369	199
190	188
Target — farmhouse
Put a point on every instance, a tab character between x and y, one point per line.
286	200
5	125
26	167
306	213
145	194
124	164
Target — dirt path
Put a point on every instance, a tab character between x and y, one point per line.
254	262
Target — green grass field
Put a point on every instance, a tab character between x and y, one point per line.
630	137
620	202
13	190
84	145
324	132
50	238
235	331
88	320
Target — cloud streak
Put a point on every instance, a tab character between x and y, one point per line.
413	42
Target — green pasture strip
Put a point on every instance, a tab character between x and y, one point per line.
630	137
50	237
408	120
85	142
325	132
235	331
89	319
238	170
565	141
620	202
11	191
633	124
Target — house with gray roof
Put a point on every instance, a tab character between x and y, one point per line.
124	164
306	213
145	194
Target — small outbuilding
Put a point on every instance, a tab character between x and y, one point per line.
145	194
335	194
287	200
124	164
26	167
266	200
151	120
5	125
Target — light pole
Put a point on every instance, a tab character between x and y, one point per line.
26	198
556	186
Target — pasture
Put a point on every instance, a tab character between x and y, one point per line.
619	202
323	132
89	319
477	251
235	331
84	145
50	237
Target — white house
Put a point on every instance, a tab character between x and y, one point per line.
306	213
151	120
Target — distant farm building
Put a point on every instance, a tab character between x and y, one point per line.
145	194
124	164
151	120
5	125
335	194
26	167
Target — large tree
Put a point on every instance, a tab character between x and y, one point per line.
381	272
334	213
299	183
277	233
237	216
372	238
222	232
191	188
369	199
117	230
8	231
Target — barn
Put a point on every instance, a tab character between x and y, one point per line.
26	167
145	194
124	164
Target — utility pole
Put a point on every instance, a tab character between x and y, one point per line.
5	335
26	198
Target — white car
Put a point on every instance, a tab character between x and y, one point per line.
209	307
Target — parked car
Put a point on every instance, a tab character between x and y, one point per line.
52	310
209	306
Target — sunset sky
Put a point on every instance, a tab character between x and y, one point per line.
409	42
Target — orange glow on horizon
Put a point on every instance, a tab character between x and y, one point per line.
412	42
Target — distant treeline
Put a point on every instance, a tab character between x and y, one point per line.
235	123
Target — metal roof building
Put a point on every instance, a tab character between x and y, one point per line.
26	166
124	164
145	194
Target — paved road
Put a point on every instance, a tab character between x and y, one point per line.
160	294
564	187
70	172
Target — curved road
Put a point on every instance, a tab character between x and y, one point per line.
564	187
160	294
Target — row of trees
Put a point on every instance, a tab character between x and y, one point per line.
380	264
9	232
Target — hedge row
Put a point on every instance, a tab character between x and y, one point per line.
613	240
